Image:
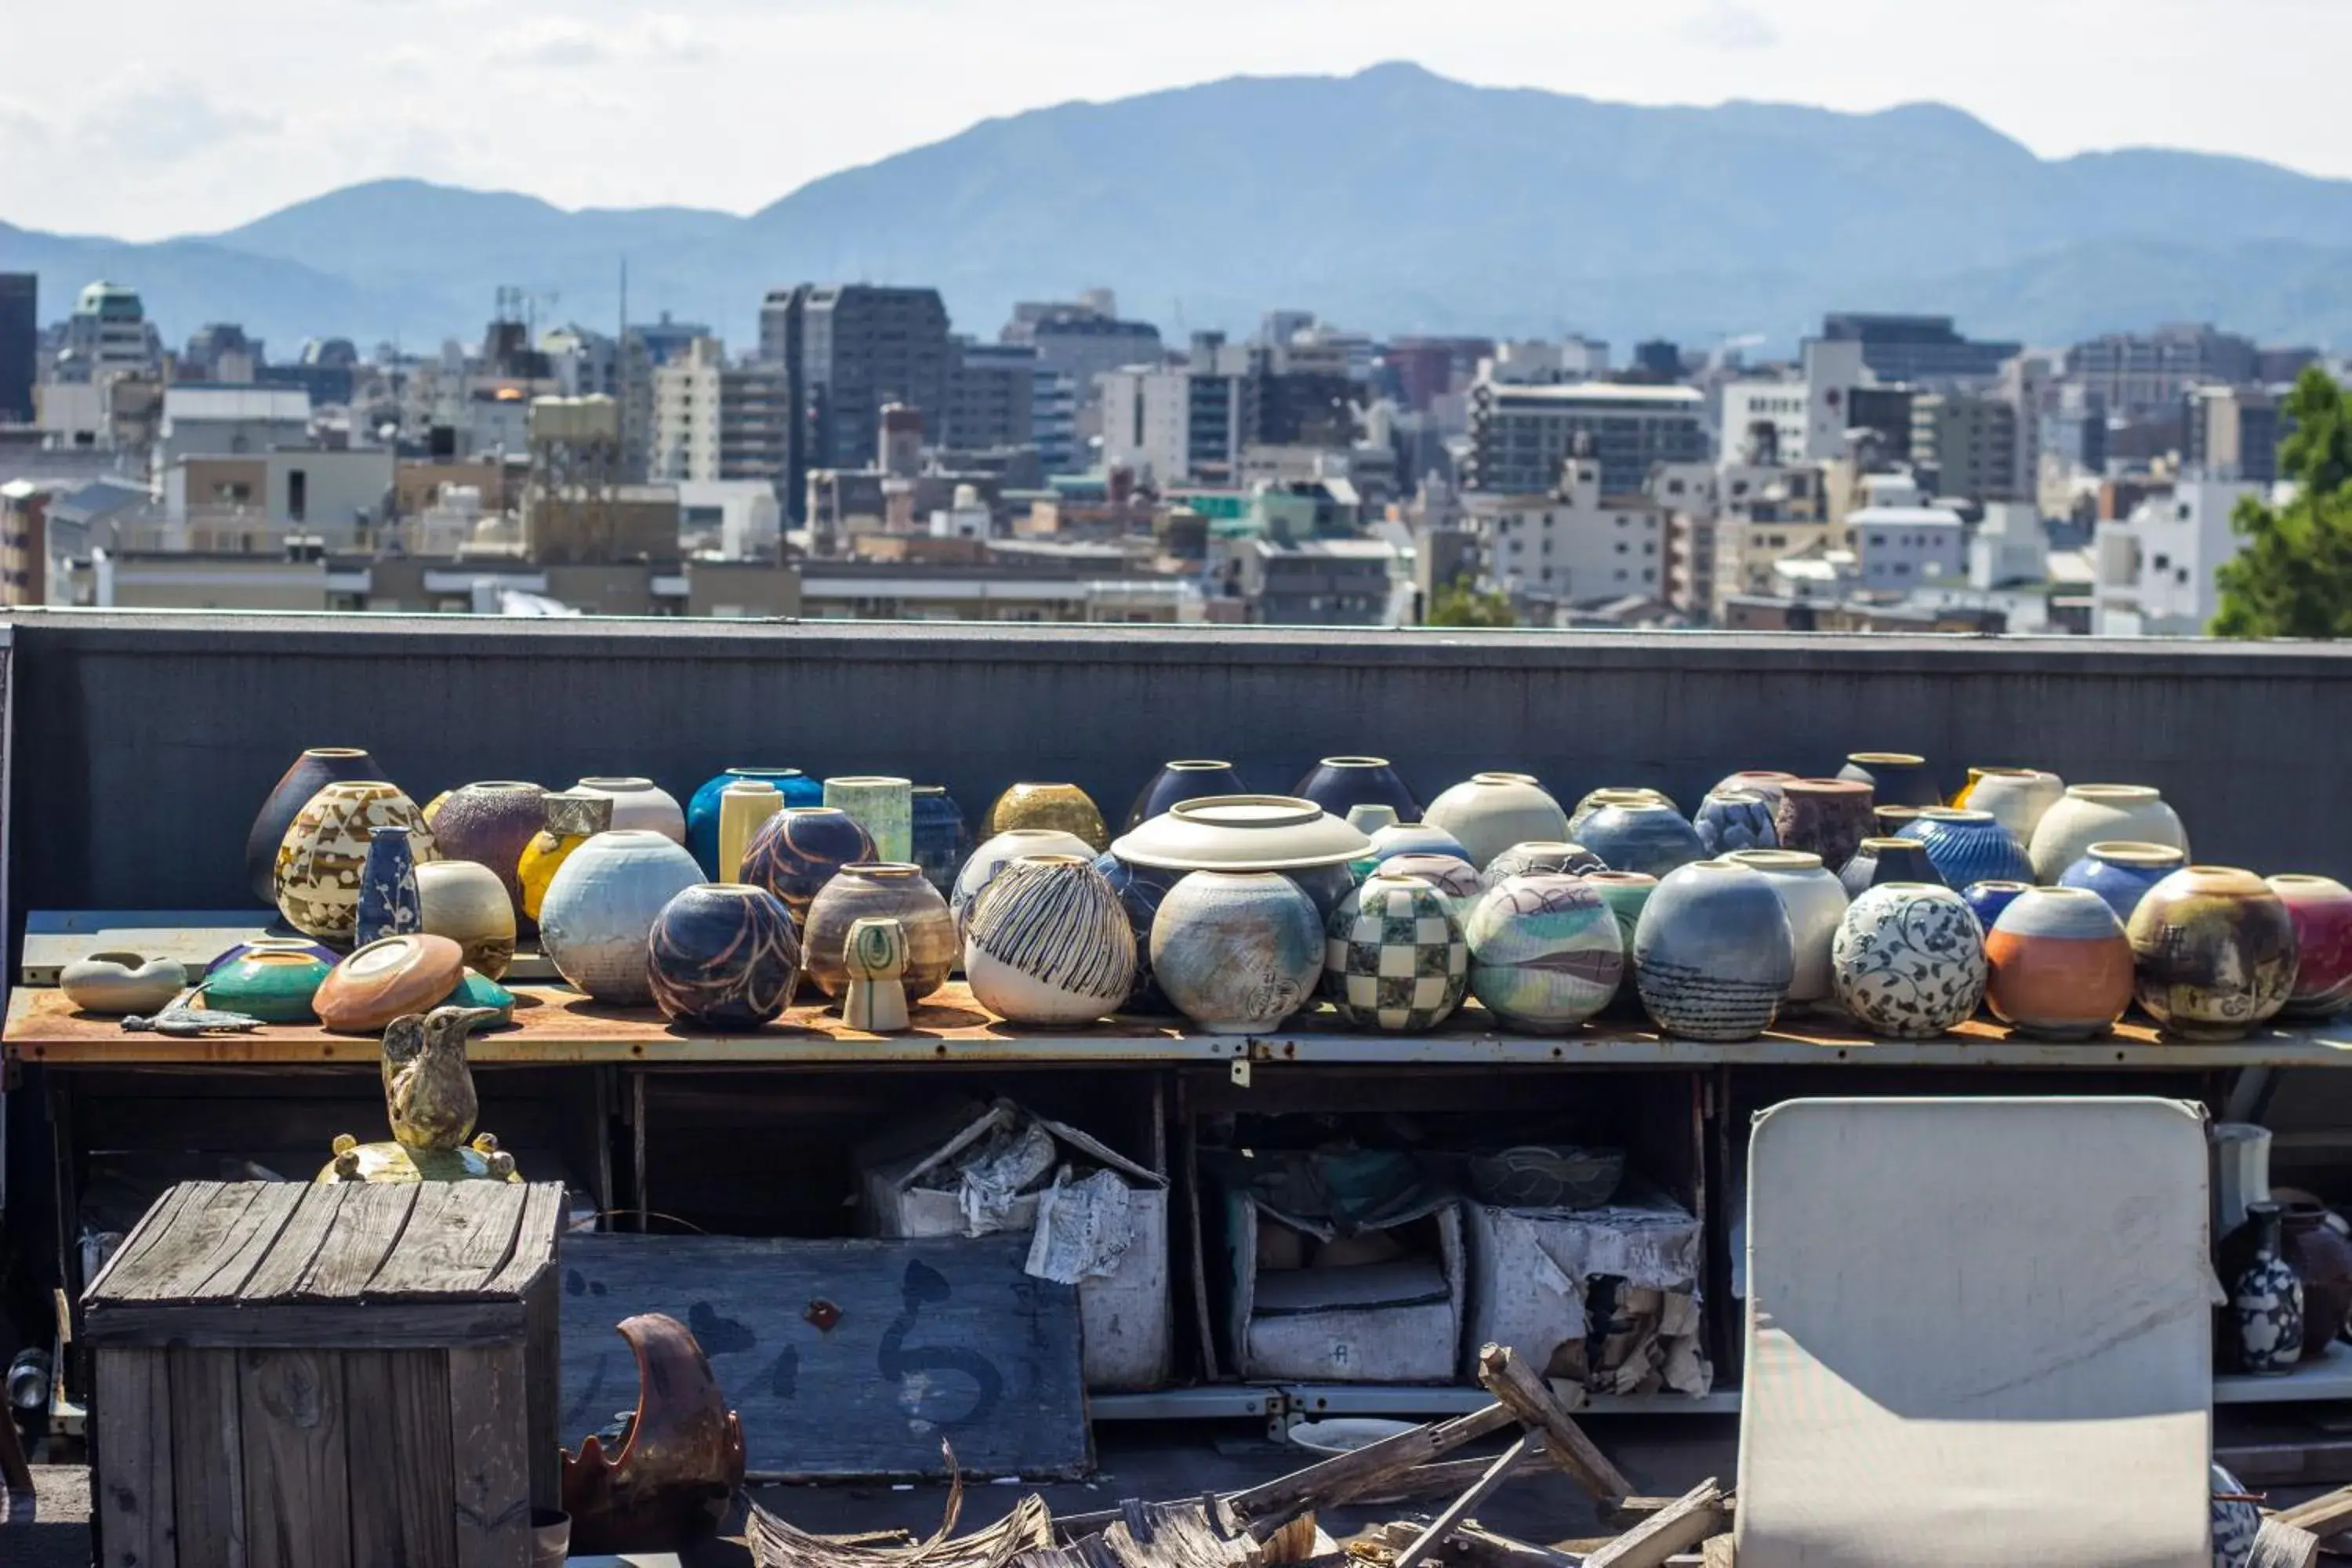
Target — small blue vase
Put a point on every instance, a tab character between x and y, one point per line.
702	810
388	902
1987	900
1968	847
2122	872
941	840
1877	860
1735	819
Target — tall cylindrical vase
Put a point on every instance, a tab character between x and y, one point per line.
743	805
884	806
2242	1172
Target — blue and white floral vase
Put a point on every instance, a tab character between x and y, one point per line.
2267	1300
389	904
1908	960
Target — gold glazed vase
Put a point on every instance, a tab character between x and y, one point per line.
1061	805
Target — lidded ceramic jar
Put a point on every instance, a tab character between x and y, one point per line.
896	890
1049	944
2059	966
1490	811
1192	778
325	850
1237	951
801	848
988	861
1828	817
702	807
1967	846
1908	960
492	824
1813	902
2017	799
311	772
601	907
1895	778
1641	836
465	901
1545	951
1713	955
1396	959
2122	872
2321	909
638	805
2097	814
1734	819
723	956
1339	783
2215	952
1557	858
1059	805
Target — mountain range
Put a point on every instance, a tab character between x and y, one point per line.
1393	200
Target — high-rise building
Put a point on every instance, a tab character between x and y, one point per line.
1925	350
992	396
848	350
1520	434
20	345
2234	433
109	335
716	421
1173	426
1082	338
644	349
1970	443
2133	372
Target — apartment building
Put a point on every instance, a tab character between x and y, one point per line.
2154	571
1519	435
847	350
1969	443
1571	546
2138	373
716	421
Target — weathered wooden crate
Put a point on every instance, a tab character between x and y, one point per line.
289	1375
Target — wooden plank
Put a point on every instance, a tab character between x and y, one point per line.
364	1233
1530	1398
2281	1545
207	1458
207	1229
1695	1515
1360	1470
403	1493
265	1222
460	1234
296	1481
488	1440
936	1338
133	1505
535	1238
542	1367
1489	1481
388	1325
317	1209
2326	1515
144	1236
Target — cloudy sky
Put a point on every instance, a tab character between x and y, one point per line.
157	117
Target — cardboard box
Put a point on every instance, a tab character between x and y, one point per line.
1396	1321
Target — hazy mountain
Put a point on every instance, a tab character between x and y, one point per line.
1393	200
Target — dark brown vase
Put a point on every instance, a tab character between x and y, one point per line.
1828	817
2322	1257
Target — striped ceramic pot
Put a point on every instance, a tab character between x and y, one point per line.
1713	955
2059	967
1048	942
325	850
1968	847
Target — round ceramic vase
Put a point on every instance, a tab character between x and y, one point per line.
876	890
2058	964
1877	860
1968	845
1325	886
1456	884
1064	806
1894	778
1491	812
1557	858
988	862
1395	959
115	983
601	907
723	956
942	839
1048	943
702	807
1237	951
492	824
1139	889
1828	817
311	772
386	979
2098	814
1338	785
1987	900
2215	951
1909	960
1813	903
1193	779
1416	838
275	987
1647	836
1612	794
638	805
884	806
2321	908
465	901
2017	799
1729	820
2123	872
797	851
572	818
1766	782
1713	954
1624	893
325	850
1545	951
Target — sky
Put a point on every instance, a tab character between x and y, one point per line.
162	116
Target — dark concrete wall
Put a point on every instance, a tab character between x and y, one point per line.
143	743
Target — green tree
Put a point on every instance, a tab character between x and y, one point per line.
1459	603
2293	577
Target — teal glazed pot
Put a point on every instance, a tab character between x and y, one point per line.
1882	860
311	772
723	956
1642	836
1895	778
275	985
1140	890
1624	893
1339	784
1712	956
2122	872
942	839
797	851
1968	847
702	807
1190	780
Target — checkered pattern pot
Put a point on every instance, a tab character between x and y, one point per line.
1396	959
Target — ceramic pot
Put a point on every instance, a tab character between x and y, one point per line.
1339	784
638	806
1416	838
492	824
276	987
703	807
475	989
389	902
1734	819
572	818
1456	886
2321	1260
797	851
880	889
325	850
2241	1172
2265	1312
1048	943
1237	951
2123	872
1878	860
1545	951
1766	782
1908	960
601	907
1892	820
2017	799
884	806
1828	817
1968	847
1325	886
1243	833
1490	811
2321	908
1813	903
1712	954
1395	959
1064	806
941	840
1191	780
990	860
1554	858
1625	893
387	979
2099	813
311	772
1895	778
744	807
1641	836
2058	965
465	901
116	984
1139	889
723	956
319	951
1987	900
2234	1518
1612	794
2215	951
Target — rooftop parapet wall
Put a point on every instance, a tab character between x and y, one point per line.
144	743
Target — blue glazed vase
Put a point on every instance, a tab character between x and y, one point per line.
1641	836
723	956
1188	780
2123	872
797	851
1968	847
1877	860
1416	838
1735	819
1326	885
389	905
1987	900
1712	956
942	839
702	809
1140	890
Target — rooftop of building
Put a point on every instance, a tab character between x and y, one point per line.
1576	392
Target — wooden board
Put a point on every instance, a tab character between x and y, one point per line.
132	1477
403	1501
292	1407
936	1339
207	1458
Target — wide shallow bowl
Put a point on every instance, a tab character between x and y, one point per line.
1243	833
1548	1176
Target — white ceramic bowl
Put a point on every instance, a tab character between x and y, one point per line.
1242	833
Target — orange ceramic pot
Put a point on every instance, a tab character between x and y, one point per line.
2061	967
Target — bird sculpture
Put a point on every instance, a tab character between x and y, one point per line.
429	1096
181	1019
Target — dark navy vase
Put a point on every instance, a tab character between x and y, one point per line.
1877	860
1140	890
1335	783
389	905
940	838
702	809
1184	781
